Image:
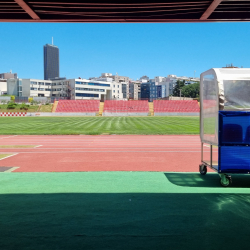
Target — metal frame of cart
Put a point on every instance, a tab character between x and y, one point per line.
225	122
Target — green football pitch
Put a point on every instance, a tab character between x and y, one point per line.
98	125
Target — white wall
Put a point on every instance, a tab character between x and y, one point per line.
105	88
3	87
34	93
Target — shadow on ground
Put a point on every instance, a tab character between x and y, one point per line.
124	221
209	180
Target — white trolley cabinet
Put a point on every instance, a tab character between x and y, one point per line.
225	122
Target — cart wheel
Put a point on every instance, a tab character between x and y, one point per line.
203	169
226	181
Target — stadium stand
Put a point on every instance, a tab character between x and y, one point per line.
128	108
89	107
123	108
165	107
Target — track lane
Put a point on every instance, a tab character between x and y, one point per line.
104	153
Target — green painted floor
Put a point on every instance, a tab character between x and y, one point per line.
123	210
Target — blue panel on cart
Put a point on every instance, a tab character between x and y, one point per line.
234	159
234	128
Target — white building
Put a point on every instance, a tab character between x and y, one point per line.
89	89
106	75
144	79
159	79
3	81
134	90
29	87
3	86
119	85
171	80
65	88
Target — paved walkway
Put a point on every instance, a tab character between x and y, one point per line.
123	210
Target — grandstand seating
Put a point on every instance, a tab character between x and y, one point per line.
112	106
180	106
84	106
126	106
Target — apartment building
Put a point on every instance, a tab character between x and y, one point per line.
125	90
8	75
134	91
171	80
119	79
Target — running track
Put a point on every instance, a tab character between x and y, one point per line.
71	153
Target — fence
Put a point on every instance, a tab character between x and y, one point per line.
20	99
176	98
4	98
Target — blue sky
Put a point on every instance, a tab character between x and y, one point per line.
127	49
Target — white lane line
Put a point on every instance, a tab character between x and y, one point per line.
111	138
13	154
208	146
107	143
38	146
61	152
11	169
118	138
118	148
101	148
105	139
8	137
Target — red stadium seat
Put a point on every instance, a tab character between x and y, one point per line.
78	106
180	106
126	106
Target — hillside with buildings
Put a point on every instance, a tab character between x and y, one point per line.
104	87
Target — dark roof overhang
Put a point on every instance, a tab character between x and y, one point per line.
124	11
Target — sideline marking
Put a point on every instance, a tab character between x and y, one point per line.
209	146
8	137
117	148
8	156
62	152
17	146
11	169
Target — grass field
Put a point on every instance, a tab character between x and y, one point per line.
46	108
98	125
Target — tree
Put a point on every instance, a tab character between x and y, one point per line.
179	85
191	90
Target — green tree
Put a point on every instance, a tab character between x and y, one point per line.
179	85
191	90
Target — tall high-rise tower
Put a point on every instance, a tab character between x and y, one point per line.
51	61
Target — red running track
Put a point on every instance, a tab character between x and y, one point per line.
71	153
